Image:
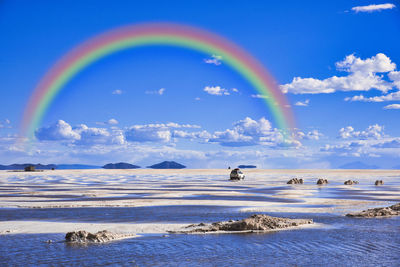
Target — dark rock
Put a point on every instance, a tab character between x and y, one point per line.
295	181
322	181
86	237
350	182
257	222
393	210
247	166
167	165
379	182
121	165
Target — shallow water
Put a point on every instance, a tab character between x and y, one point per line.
337	241
341	241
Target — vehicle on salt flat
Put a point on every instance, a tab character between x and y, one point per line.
236	174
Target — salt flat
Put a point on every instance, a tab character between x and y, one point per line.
260	191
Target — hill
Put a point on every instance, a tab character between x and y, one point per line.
120	165
167	165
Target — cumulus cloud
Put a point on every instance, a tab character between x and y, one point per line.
392	106
302	103
157	92
373	8
394	76
58	131
156	132
215	60
362	76
313	135
117	92
80	135
249	132
144	134
246	132
216	90
372	132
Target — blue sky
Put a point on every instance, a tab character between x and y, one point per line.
337	62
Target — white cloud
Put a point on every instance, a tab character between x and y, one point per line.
112	122
197	99
373	7
313	135
249	132
80	135
378	63
215	59
156	132
216	90
395	77
158	92
117	92
259	96
58	131
372	132
362	77
395	96
235	90
392	106
144	134
302	103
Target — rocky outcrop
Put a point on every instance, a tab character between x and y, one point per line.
379	182
86	237
255	223
393	210
350	182
295	181
322	181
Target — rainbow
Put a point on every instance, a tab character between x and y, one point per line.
151	34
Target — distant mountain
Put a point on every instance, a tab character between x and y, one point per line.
76	167
167	165
121	165
358	165
22	166
247	166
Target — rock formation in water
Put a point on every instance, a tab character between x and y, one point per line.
167	165
257	222
121	165
350	182
393	210
86	237
295	181
379	182
322	181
